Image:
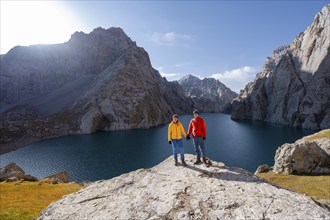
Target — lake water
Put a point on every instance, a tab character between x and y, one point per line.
103	155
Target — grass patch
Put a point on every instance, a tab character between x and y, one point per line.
318	135
316	187
26	200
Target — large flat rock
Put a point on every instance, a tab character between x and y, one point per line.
192	192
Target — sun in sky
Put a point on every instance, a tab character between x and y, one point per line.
34	22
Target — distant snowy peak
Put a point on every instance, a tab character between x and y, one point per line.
209	94
189	80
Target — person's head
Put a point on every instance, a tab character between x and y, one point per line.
175	118
196	114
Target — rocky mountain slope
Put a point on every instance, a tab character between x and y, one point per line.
294	85
208	95
96	81
192	192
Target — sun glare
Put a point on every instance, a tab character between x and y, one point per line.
34	22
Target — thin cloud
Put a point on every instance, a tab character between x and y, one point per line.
236	79
170	38
164	74
167	75
183	64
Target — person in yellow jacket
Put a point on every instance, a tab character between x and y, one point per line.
175	132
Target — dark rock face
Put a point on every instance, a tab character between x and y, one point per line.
96	81
294	86
208	95
31	71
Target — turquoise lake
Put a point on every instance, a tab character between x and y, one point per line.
104	155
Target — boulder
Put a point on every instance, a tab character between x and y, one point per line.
11	171
30	178
61	177
304	156
192	192
12	179
262	169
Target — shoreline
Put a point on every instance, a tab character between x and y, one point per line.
6	148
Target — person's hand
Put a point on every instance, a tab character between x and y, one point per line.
170	142
188	138
204	138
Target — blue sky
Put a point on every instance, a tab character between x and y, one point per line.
228	40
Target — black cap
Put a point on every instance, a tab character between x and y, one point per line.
195	112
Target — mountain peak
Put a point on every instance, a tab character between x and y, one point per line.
288	89
209	94
113	34
189	80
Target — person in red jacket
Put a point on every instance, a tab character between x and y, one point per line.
197	128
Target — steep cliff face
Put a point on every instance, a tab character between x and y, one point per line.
294	85
96	81
192	192
208	95
31	71
130	94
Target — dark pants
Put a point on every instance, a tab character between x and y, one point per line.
199	146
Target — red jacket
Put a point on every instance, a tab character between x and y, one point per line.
197	127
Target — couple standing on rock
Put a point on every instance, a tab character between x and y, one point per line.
197	128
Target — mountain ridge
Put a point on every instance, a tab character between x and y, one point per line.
293	88
96	81
208	94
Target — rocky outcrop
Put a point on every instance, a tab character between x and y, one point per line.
208	95
192	192
310	155
96	81
137	97
262	169
61	177
12	172
294	85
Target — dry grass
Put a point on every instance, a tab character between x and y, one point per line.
319	135
26	200
317	187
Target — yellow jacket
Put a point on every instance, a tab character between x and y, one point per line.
175	131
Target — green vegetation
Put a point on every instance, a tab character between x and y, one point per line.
25	200
316	187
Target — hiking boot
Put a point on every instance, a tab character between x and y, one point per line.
176	162
198	161
206	161
183	163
